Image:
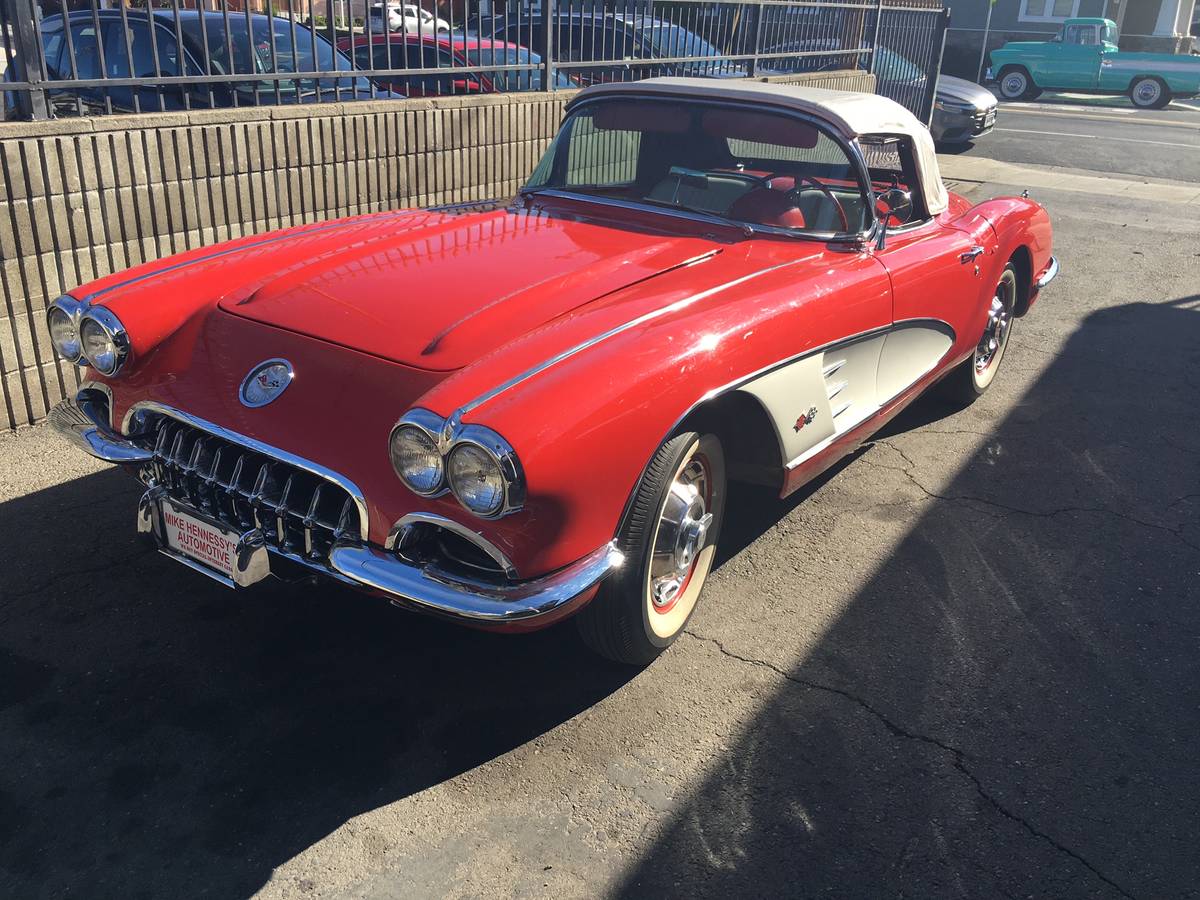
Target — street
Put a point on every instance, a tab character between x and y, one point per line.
1111	137
963	663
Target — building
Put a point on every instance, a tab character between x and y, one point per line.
1159	25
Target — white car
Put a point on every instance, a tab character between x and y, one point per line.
406	17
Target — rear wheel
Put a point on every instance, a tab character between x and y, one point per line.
669	540
1148	92
976	373
1015	84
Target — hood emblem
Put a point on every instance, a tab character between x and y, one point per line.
265	382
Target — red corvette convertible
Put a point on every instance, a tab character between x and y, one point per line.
508	413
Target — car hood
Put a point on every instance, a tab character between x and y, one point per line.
963	91
448	289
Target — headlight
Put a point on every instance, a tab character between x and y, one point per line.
416	459
63	320
476	479
481	469
103	340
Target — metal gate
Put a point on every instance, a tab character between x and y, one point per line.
166	55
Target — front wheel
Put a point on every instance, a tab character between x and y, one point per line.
976	373
1148	92
669	540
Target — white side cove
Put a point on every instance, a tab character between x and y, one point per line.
815	399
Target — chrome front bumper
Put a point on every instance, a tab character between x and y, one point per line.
422	587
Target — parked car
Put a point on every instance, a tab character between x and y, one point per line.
110	44
404	17
621	41
455	54
1083	58
514	413
962	110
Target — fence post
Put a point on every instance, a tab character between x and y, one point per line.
758	29
548	23
931	80
25	16
875	37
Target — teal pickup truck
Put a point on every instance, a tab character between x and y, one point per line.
1083	57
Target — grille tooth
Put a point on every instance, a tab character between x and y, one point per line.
300	513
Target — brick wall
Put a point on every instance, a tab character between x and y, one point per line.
80	198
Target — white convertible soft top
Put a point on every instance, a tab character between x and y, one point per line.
851	113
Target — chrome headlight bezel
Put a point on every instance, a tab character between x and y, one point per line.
73	310
107	321
421	426
447	434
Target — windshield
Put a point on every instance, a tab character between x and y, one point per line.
735	163
1111	34
891	66
673	40
530	80
270	45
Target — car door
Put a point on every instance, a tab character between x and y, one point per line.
1077	63
938	272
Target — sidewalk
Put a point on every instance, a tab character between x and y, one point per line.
981	170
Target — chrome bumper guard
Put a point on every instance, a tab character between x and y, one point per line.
514	601
83	427
423	587
1048	276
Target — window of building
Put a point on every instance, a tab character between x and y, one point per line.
1048	10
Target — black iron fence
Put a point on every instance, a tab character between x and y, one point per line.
100	57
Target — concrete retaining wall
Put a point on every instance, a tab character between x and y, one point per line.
80	198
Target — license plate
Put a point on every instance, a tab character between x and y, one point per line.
198	540
989	120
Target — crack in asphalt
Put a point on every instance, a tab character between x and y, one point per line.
1049	514
958	756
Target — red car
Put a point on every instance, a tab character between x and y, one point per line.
511	414
455	53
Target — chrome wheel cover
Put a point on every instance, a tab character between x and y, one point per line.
683	544
682	532
990	349
1013	85
1147	92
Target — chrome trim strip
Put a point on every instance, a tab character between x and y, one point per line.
1047	276
424	518
434	591
150	406
612	332
70	419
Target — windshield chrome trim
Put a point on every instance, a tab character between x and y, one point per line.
849	147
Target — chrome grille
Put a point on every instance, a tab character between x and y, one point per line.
300	513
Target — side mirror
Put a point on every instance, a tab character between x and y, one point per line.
893	207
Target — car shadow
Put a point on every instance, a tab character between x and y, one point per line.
1009	705
164	736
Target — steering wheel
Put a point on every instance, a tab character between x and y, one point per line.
794	193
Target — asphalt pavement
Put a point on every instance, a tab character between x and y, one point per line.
1099	134
962	664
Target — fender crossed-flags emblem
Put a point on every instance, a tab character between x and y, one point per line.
806	419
